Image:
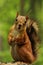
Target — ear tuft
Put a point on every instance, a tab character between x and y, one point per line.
17	14
27	17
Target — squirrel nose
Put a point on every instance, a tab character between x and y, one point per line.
19	26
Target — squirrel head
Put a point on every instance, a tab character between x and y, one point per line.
21	22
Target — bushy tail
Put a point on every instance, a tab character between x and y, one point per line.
33	35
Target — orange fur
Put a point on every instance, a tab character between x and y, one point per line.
19	40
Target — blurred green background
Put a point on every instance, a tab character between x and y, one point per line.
8	10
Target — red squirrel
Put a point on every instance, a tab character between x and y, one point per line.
22	39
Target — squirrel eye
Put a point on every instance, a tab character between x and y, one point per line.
16	19
25	21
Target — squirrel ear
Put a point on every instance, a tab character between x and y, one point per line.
17	14
27	17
